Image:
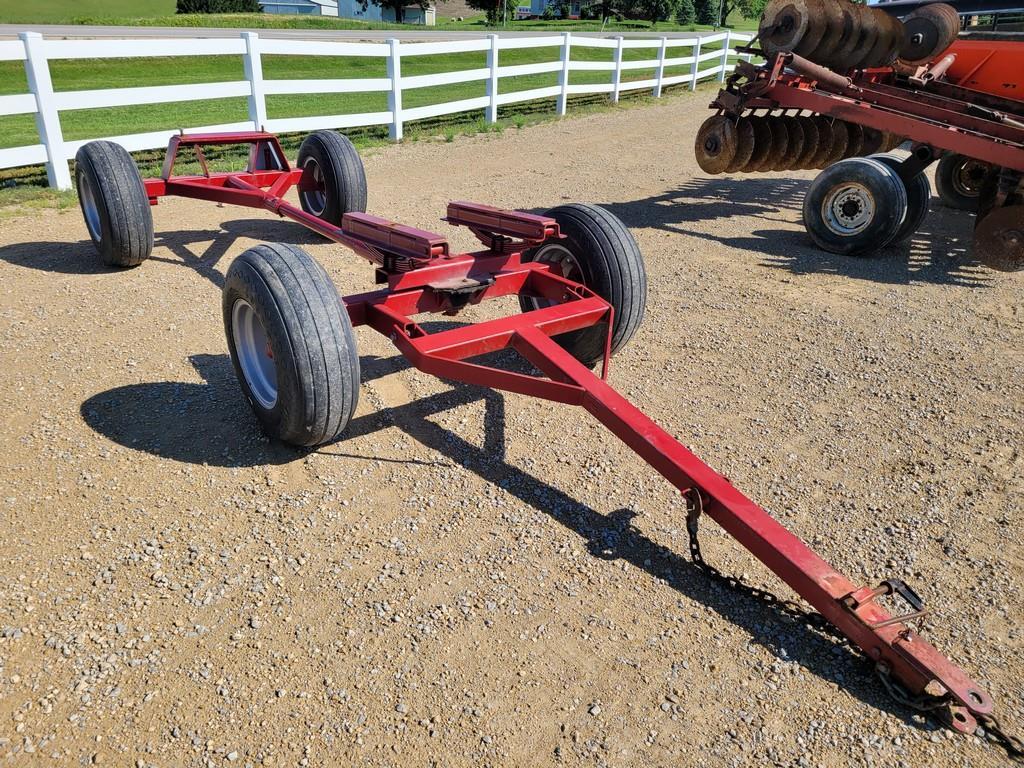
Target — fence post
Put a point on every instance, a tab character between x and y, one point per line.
616	75
563	79
254	74
725	56
37	72
492	81
395	94
695	65
661	67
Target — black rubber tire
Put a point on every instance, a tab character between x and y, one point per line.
114	204
611	266
919	195
947	168
311	339
885	191
344	180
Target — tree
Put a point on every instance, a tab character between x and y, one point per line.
398	6
686	13
707	12
649	10
751	9
497	10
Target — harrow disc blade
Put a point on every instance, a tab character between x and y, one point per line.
928	31
715	146
840	142
810	143
840	58
867	38
795	146
854	140
825	141
999	238
762	145
832	26
873	142
791	25
744	145
890	34
780	145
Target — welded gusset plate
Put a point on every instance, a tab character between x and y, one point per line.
716	143
999	239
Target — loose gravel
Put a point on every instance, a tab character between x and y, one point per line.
472	578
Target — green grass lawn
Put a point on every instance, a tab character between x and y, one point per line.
63	11
67	75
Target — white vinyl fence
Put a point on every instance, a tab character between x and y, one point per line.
47	104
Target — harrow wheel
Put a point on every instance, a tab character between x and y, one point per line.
784	24
716	143
599	252
840	142
826	139
291	343
333	181
855	207
919	195
811	143
114	204
958	180
854	140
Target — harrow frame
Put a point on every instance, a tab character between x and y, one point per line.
421	275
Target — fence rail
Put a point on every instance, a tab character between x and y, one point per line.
46	104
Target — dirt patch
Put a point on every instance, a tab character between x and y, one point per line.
477	579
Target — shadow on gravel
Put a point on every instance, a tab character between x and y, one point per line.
938	253
210	424
200	249
613	537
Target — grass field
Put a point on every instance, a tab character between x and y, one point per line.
71	75
63	11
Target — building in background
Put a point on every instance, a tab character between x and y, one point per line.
348	9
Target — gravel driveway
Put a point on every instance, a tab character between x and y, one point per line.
477	579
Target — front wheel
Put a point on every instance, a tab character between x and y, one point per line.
333	180
599	252
855	207
291	343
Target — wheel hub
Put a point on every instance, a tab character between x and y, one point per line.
255	355
848	209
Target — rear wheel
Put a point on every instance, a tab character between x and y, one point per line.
919	195
333	181
855	207
291	343
959	179
599	252
114	204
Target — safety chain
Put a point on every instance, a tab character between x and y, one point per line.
994	732
791	608
924	703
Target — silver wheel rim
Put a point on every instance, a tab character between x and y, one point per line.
315	199
255	356
968	177
848	209
557	255
90	209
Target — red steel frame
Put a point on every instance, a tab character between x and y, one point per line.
936	113
422	276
